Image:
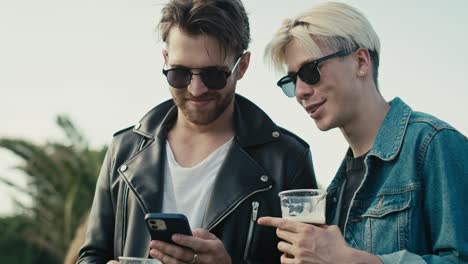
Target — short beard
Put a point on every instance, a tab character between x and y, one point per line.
206	117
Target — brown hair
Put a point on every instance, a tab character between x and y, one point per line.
225	20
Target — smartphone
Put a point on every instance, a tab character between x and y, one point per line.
162	226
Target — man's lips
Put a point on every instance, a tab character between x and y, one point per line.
200	101
311	108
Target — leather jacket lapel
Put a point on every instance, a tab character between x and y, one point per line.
144	171
239	178
144	175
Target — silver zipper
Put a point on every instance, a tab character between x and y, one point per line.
124	218
255	206
237	205
142	144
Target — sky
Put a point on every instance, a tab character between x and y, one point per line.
100	62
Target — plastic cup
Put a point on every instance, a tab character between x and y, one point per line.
304	205
133	260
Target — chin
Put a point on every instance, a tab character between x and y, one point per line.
201	119
324	129
322	125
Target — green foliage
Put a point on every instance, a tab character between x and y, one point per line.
14	249
61	178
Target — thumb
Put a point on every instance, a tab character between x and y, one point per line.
203	234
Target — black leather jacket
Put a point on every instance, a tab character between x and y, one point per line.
263	160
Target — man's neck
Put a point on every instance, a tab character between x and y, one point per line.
192	143
363	129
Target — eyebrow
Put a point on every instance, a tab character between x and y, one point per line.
302	64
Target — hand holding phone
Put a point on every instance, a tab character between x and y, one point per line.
162	226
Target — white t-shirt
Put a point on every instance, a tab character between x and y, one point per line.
186	190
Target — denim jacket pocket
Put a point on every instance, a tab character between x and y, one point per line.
386	223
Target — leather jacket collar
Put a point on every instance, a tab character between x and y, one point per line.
252	125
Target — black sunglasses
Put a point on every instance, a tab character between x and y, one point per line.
213	77
309	73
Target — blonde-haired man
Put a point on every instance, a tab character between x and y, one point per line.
396	197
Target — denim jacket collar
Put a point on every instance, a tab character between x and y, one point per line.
389	140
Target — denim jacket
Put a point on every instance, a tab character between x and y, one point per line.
409	206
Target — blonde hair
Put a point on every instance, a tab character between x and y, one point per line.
334	26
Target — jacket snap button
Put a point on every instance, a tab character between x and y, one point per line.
123	168
264	178
275	134
137	126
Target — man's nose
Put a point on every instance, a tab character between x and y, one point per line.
303	90
196	87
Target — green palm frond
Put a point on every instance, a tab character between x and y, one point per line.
60	179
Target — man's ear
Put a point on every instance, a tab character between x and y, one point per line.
363	62
243	65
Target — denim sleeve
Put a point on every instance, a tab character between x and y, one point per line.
444	170
402	256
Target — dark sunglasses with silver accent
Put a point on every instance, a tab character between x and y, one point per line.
213	77
309	73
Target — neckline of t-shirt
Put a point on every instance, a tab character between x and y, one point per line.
171	157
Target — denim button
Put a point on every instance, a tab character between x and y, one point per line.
264	178
275	134
123	168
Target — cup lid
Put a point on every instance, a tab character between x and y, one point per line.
147	260
320	192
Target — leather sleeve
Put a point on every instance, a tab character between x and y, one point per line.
99	241
304	177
